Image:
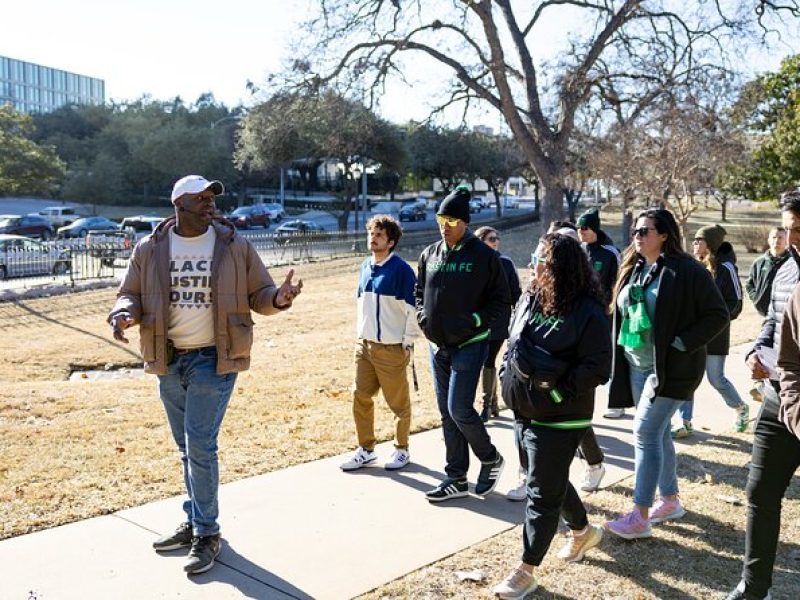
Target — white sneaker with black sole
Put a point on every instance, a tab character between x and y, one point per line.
360	458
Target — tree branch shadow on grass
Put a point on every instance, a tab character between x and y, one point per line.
108	340
250	579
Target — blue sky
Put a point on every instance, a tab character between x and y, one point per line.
182	47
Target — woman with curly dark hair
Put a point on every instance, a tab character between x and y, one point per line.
559	351
667	308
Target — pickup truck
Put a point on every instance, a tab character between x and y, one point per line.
59	215
117	245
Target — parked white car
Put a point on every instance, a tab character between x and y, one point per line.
276	212
24	257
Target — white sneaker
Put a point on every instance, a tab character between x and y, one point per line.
360	458
614	413
516	586
519	493
400	458
592	477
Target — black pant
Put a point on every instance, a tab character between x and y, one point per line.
589	450
776	456
494	350
549	452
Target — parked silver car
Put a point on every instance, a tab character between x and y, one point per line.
24	257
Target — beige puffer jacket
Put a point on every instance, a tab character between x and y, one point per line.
240	283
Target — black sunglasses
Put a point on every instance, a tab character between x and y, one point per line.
641	231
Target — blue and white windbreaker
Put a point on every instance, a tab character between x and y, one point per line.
385	302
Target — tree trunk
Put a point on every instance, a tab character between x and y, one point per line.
552	206
494	189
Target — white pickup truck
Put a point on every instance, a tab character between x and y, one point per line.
111	246
60	215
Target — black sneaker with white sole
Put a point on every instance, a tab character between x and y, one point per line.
201	557
489	475
182	538
449	488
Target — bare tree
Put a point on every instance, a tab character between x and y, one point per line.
624	55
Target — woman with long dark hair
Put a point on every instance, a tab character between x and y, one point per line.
667	308
558	352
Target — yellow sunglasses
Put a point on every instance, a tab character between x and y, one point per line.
449	221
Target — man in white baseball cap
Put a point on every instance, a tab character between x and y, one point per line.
196	336
194	184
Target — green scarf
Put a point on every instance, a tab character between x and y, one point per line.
635	321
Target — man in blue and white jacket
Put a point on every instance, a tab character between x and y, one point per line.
386	328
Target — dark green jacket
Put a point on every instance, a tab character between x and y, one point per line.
759	283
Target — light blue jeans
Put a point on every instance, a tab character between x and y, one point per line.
654	451
715	371
195	399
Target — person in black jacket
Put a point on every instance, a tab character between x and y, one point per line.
461	292
717	255
667	309
499	332
775	450
764	269
559	351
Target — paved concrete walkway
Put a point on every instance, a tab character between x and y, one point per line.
310	531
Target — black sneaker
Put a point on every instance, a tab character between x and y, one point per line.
201	557
449	488
489	475
182	538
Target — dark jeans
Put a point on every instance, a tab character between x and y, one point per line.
455	378
549	452
776	456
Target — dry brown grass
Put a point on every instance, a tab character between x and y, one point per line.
69	451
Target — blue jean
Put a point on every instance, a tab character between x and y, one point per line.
455	378
195	399
715	371
654	451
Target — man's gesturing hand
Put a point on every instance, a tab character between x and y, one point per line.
119	323
288	291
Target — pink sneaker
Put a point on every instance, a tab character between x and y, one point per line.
665	510
631	526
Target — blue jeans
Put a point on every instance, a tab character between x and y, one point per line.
654	452
455	378
195	399
715	371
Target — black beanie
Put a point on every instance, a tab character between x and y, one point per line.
590	219
456	204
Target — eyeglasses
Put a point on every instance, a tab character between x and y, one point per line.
697	240
641	231
449	221
535	259
492	238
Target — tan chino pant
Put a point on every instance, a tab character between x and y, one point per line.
381	367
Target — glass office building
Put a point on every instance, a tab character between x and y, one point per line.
33	88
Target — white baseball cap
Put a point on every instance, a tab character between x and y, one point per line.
194	184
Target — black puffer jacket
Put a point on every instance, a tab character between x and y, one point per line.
688	306
727	280
782	288
604	258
